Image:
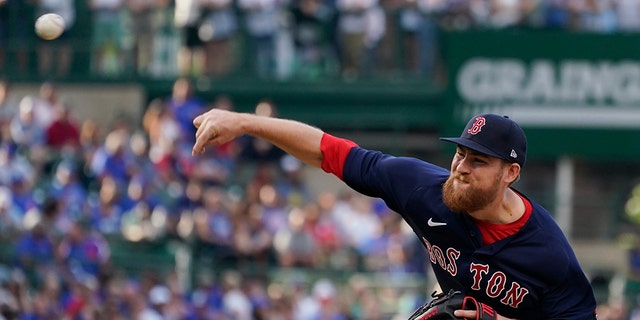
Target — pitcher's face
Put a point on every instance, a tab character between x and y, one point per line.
475	181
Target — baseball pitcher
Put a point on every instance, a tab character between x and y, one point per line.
488	243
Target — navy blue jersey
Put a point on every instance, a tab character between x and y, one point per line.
533	274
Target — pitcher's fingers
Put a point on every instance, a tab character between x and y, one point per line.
467	314
198	147
197	121
202	128
201	140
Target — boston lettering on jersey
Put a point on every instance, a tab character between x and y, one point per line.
493	282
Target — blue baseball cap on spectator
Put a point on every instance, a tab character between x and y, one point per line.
494	135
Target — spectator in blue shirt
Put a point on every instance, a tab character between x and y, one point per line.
35	251
184	105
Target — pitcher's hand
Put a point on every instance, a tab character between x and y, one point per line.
216	127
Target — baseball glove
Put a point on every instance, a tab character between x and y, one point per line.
442	306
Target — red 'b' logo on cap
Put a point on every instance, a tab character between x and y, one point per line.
477	126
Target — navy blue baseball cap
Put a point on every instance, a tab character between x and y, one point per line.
494	135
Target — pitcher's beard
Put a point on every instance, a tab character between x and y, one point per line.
470	200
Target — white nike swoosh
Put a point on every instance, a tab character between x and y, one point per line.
432	223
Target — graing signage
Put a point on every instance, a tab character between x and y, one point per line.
567	93
573	93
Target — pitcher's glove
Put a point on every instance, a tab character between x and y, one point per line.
444	304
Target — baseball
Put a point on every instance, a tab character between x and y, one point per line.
49	26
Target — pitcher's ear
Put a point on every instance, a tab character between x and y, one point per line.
513	174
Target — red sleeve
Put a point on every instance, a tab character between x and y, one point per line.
334	153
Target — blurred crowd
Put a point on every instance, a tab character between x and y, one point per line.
70	188
277	39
